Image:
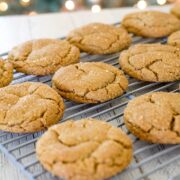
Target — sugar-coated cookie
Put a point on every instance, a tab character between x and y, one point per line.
99	38
43	56
29	107
152	62
86	149
151	23
155	117
90	82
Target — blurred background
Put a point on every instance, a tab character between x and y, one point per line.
34	7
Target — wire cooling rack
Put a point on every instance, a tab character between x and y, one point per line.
150	161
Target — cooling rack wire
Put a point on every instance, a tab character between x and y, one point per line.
150	161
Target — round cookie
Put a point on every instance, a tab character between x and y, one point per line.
151	23
176	10
86	149
43	56
29	107
174	39
90	82
152	62
6	73
98	38
155	117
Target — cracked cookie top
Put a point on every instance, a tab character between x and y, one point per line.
151	23
152	62
174	39
155	117
6	73
176	10
29	107
98	38
43	56
86	149
91	82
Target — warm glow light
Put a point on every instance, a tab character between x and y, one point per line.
69	4
33	13
3	6
96	8
161	2
25	2
141	4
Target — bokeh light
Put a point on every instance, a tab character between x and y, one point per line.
96	8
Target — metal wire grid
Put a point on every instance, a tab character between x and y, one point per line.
147	159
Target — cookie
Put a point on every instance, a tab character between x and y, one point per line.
29	107
152	62
6	73
43	56
90	82
176	10
98	38
155	117
86	149
151	23
174	39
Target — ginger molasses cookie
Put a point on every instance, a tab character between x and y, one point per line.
151	23
98	38
43	56
6	73
174	39
176	10
152	62
29	107
155	117
86	149
90	82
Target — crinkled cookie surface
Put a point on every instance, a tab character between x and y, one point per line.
151	23
6	73
152	62
174	39
176	10
86	149
155	117
29	107
98	38
43	56
91	82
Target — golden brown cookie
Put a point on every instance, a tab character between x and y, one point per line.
151	23
174	39
155	117
6	73
90	82
152	62
176	10
29	107
86	149
43	56
98	38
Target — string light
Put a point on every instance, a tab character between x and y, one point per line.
96	8
33	13
25	2
141	4
69	4
3	6
161	2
